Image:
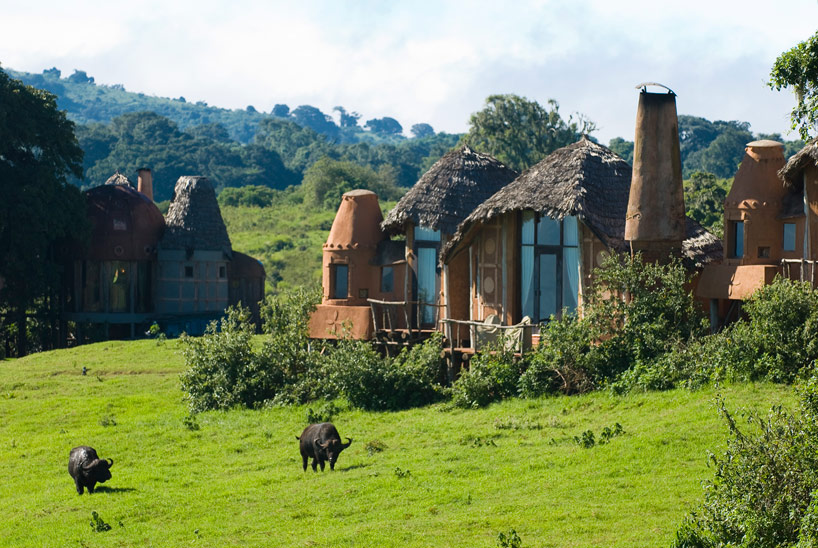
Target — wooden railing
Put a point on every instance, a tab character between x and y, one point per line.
800	269
518	336
401	316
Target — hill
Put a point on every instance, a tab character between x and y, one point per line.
424	477
90	103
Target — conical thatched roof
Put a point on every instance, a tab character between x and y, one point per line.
194	220
449	191
791	172
583	179
586	180
118	179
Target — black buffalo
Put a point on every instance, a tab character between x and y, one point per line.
87	468
321	443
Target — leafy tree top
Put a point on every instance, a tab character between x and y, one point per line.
521	132
798	68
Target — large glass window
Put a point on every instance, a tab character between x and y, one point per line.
549	266
427	242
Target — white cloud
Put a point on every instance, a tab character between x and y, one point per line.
424	61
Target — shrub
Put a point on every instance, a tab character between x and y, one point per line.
370	381
223	371
492	375
765	489
560	363
636	317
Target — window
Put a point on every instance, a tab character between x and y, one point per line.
549	266
789	236
188	271
427	242
340	281
387	279
737	239
222	271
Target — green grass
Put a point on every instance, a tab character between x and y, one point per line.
287	238
444	478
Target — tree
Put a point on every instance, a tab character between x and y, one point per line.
281	111
623	148
521	132
327	180
313	118
348	119
422	130
39	209
384	126
798	68
704	200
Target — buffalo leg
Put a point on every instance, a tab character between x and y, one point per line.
322	465
315	465
79	487
305	459
91	488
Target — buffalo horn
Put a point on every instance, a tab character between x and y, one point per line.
321	445
110	462
347	444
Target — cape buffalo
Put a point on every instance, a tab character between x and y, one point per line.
321	442
87	468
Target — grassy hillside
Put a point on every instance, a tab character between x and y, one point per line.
286	238
443	478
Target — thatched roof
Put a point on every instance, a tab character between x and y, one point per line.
194	220
700	247
791	172
586	180
449	191
118	179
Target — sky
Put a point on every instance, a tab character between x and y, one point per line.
432	61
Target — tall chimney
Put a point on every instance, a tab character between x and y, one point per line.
655	221
144	182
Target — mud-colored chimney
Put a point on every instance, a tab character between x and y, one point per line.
144	182
655	221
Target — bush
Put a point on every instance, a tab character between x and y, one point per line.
492	375
561	362
765	489
370	381
223	370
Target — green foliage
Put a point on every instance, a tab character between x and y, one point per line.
765	485
141	139
704	195
798	68
224	370
779	339
509	539
635	314
492	375
563	362
384	126
98	525
248	196
712	147
39	211
520	132
587	440
623	148
325	413
370	381
422	130
327	180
